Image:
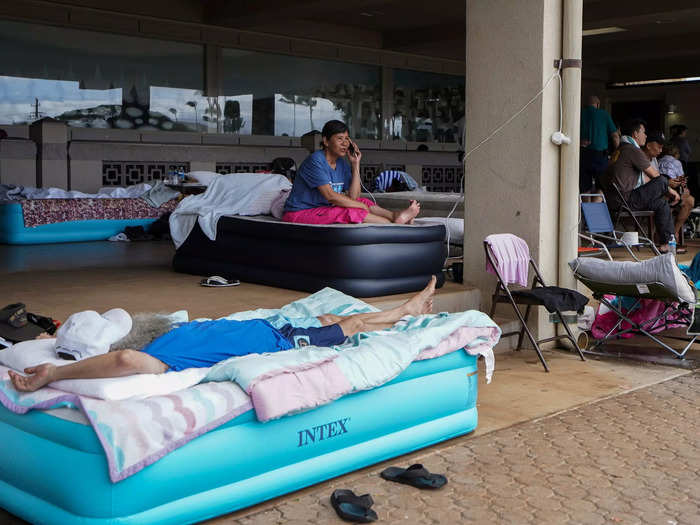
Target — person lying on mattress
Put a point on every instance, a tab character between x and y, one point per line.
102	345
326	188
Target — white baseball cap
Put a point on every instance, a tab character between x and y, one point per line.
87	334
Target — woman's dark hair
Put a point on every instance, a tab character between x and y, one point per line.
632	125
333	127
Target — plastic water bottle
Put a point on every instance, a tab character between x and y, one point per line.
181	175
672	245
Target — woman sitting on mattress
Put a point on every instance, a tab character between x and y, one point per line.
102	345
326	189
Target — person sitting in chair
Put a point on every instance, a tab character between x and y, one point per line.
640	182
94	341
652	149
326	189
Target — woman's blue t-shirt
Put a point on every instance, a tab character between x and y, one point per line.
314	172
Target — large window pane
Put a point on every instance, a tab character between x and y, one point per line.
427	106
99	80
285	95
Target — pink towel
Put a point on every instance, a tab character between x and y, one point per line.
512	257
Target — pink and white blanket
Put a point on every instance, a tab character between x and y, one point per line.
137	432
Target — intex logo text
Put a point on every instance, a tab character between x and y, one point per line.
321	432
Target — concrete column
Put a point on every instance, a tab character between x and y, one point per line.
51	138
512	181
571	126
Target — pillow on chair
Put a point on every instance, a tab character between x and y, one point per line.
662	269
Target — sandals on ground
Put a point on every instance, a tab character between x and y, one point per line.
216	281
415	475
351	507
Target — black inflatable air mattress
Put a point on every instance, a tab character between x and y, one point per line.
360	260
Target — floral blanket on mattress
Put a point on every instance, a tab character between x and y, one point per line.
136	433
48	211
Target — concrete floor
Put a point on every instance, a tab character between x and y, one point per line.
57	280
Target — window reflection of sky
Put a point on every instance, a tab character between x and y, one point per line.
294	116
17	98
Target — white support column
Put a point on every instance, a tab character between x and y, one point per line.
571	117
512	181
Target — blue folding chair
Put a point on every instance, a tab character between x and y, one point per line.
597	227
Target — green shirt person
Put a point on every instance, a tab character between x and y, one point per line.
596	126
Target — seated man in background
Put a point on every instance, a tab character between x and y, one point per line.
101	345
653	149
640	182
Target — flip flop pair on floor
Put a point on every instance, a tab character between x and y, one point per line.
357	509
216	281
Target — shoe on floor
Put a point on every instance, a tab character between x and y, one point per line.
216	281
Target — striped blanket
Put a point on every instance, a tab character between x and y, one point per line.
136	433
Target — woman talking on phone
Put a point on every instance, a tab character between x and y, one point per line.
327	187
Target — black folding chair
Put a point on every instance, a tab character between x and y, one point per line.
625	211
503	294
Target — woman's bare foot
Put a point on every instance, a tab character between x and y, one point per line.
422	302
406	216
41	375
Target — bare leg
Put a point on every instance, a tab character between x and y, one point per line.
421	303
687	203
112	364
377	214
371	218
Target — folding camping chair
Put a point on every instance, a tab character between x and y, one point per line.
625	211
597	227
676	310
503	294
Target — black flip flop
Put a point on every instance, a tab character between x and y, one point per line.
351	507
415	475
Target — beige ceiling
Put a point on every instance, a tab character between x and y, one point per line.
661	38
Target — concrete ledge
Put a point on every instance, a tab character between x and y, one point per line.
424	64
171	30
16	131
171	137
264	140
105	135
219	35
265	42
363	55
222	139
369	144
394	60
13	148
393	145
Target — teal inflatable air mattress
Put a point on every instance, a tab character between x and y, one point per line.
13	230
54	471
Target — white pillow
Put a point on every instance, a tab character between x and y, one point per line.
203	177
38	351
661	269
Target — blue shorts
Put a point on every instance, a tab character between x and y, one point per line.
313	336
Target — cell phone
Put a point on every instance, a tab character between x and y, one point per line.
351	148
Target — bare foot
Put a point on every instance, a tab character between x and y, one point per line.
40	375
406	216
422	302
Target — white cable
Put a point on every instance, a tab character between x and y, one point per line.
494	133
511	119
370	193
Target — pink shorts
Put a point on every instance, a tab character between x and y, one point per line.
329	214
